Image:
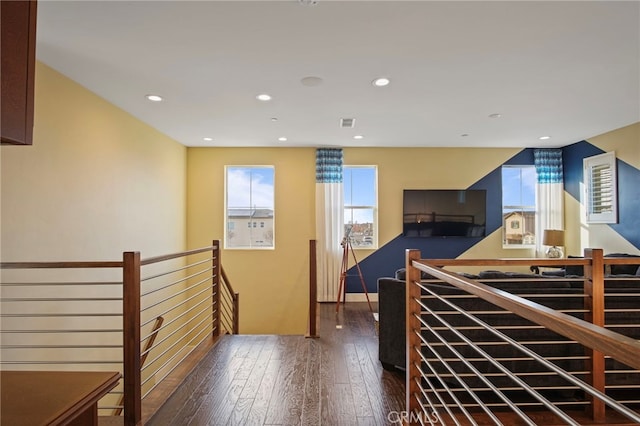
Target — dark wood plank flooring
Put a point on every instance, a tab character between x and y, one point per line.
335	379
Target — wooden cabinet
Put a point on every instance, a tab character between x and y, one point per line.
18	51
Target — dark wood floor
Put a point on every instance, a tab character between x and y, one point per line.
335	379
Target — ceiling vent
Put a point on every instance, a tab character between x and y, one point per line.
347	123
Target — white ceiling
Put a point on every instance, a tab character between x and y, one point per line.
567	69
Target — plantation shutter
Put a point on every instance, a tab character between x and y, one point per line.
601	193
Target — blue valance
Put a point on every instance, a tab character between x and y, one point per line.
329	165
548	164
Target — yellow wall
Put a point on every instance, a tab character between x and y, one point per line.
273	284
624	141
96	181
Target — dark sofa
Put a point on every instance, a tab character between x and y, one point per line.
568	355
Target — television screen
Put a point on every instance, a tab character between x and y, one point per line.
444	213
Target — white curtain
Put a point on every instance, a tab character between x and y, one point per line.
329	222
549	193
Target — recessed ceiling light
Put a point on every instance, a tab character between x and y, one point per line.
311	81
263	97
282	139
154	98
381	82
207	139
358	137
544	138
496	115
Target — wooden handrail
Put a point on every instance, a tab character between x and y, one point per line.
506	262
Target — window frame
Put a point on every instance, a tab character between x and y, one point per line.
251	221
518	208
606	163
373	208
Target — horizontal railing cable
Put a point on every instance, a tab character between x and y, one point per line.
61	299
173	332
61	283
57	315
173	271
188	299
173	308
168	323
171	256
171	359
181	280
66	331
61	265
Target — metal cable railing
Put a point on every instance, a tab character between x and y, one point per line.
56	316
481	355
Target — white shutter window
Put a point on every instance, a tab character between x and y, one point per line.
600	179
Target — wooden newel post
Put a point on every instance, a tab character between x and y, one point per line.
413	293
131	338
313	290
236	314
594	306
216	272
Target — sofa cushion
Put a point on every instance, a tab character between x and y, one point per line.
498	275
401	274
492	275
623	269
574	270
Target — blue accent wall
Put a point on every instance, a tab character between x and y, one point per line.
390	257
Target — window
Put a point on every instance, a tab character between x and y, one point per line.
360	205
518	206
600	178
249	198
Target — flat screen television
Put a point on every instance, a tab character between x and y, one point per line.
444	213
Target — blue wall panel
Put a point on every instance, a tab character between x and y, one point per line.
628	203
572	156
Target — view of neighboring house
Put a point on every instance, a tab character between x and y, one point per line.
249	227
519	227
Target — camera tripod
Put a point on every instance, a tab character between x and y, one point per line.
342	290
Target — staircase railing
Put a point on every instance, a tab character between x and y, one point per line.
142	317
448	380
